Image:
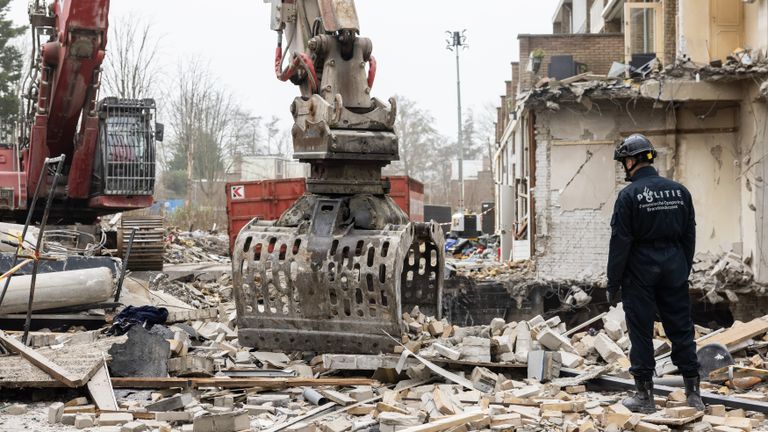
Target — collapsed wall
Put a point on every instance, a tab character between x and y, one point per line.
710	135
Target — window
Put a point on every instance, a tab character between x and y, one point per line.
643	32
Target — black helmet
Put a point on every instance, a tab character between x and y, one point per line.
635	145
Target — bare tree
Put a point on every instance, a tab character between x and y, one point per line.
417	137
131	66
284	143
202	116
486	130
438	169
246	131
273	130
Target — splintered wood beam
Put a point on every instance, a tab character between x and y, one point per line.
43	363
738	333
161	383
449	422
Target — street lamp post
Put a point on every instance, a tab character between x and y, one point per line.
457	40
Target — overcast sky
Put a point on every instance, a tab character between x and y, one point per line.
408	39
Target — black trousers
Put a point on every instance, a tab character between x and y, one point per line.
645	293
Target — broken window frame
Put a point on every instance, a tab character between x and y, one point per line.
658	24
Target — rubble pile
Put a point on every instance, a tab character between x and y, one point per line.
502	342
199	291
742	63
196	247
718	278
495	270
723	277
529	375
483	247
178	366
520	279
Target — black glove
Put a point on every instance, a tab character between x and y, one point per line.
613	295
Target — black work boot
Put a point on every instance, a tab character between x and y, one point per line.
642	402
693	392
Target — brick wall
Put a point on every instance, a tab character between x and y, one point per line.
476	191
670	31
569	244
515	77
499	125
597	51
507	103
572	244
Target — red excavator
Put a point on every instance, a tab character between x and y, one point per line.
108	145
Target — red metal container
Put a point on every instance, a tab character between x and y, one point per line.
409	195
268	199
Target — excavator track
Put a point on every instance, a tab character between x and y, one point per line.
334	293
148	243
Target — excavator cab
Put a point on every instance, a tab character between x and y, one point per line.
125	160
125	166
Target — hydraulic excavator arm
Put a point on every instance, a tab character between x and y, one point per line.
338	269
108	144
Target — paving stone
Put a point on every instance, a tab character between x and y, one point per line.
83	421
114	419
134	426
15	409
55	411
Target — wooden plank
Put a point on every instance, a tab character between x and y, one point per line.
60	374
739	333
730	372
100	388
160	383
337	397
311	413
446	423
575	78
54	317
450	376
322	414
585	324
489	365
743	372
82	360
659	419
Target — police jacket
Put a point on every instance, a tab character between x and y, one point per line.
653	229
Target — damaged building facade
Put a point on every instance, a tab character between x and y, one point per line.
696	89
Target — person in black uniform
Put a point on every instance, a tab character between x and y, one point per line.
653	236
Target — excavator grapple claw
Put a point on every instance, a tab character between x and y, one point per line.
330	287
338	269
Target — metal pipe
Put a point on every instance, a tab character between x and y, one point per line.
38	246
124	268
456	42
460	132
314	397
30	213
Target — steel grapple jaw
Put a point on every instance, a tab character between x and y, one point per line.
327	285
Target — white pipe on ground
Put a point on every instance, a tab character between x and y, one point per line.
59	290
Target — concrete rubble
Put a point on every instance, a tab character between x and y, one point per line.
541	373
724	279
